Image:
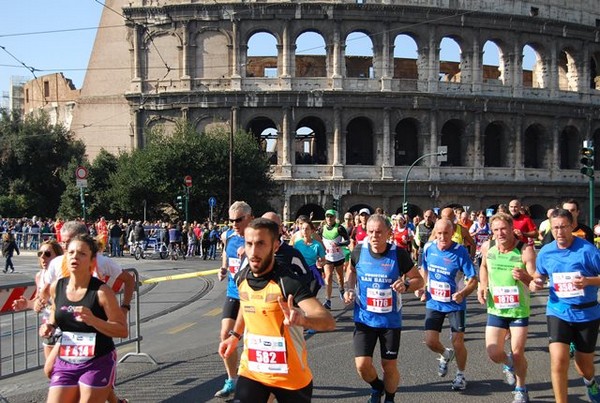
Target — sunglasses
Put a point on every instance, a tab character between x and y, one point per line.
46	253
237	220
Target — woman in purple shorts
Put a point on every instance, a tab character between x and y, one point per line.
82	364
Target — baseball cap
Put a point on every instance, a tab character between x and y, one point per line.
393	217
331	212
364	211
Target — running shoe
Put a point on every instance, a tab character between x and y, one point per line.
310	331
327	304
509	375
375	396
459	382
443	365
228	389
571	349
593	392
521	396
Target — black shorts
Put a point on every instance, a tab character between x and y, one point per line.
251	391
231	308
583	334
435	319
365	338
337	263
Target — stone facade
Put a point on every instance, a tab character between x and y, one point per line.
52	93
348	128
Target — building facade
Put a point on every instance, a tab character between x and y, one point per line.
345	129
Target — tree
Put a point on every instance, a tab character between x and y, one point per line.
155	173
34	155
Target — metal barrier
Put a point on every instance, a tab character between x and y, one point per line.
21	347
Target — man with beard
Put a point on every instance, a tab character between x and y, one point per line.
274	309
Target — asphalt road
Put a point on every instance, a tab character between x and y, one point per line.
183	340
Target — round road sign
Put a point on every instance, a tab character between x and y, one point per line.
188	180
81	173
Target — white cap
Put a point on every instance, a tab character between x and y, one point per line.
364	211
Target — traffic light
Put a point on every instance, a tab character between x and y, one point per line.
587	160
405	208
179	202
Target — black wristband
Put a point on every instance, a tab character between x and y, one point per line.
126	306
406	284
235	334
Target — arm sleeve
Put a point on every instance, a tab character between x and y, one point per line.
405	262
355	255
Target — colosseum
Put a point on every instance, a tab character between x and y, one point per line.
343	128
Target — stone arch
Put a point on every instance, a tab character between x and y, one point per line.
406	145
533	58
494	62
406	57
161	49
359	63
212	58
568	77
311	55
569	144
359	142
206	123
452	137
262	55
355	208
450	58
533	139
318	212
311	141
165	125
266	133
595	71
413	210
495	145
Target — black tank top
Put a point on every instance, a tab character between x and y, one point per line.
66	321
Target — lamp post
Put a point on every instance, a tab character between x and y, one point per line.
441	152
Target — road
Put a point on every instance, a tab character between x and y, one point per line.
183	341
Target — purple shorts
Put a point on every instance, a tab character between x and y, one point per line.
99	372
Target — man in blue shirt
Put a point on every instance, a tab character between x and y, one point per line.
445	265
380	271
572	267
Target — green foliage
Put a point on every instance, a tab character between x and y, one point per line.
34	154
156	173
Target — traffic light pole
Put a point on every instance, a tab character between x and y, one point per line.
439	153
587	168
591	194
187	202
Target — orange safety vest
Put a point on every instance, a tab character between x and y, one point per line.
274	354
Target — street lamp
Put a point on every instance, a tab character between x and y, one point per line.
442	153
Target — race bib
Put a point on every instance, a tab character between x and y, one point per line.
76	347
564	286
506	297
266	354
379	300
234	265
440	291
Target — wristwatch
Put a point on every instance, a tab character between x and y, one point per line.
126	306
235	334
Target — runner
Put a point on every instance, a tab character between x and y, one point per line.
334	238
240	215
572	266
445	262
272	328
380	271
359	233
507	268
480	231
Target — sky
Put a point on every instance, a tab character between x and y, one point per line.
58	35
50	36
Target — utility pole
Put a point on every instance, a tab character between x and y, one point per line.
442	154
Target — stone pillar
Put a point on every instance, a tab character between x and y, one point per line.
476	65
235	111
386	59
386	166
238	60
137	81
517	71
555	163
434	170
338	167
519	170
478	152
286	166
337	58
434	62
422	68
186	82
137	135
552	71
466	67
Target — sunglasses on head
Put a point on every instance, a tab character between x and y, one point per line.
46	253
237	220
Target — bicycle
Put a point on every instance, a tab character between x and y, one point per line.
157	248
175	251
137	250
